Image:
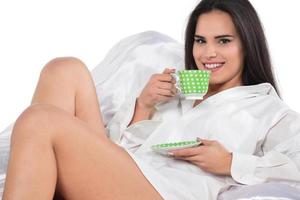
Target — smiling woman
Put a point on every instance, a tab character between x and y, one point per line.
240	120
218	48
230	42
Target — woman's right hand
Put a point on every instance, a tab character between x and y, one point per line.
160	88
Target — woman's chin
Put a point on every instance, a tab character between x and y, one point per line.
215	83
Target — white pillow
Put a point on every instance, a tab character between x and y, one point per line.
4	154
264	191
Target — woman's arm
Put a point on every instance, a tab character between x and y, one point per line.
141	112
281	156
210	156
136	109
160	88
279	159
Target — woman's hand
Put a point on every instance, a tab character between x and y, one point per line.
210	156
160	88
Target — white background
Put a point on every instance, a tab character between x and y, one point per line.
34	31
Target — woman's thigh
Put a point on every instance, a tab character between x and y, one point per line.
92	167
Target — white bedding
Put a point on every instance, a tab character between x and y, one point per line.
125	69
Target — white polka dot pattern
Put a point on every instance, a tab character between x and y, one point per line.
194	81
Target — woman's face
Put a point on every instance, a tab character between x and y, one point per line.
218	48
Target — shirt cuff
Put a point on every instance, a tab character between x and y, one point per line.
243	168
120	121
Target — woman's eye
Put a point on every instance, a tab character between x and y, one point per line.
224	41
199	40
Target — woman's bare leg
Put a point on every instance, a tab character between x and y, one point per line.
66	83
35	162
49	145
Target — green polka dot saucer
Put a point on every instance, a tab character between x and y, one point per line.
164	148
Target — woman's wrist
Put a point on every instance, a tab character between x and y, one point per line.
144	106
142	112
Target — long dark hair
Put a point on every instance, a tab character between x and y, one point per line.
257	63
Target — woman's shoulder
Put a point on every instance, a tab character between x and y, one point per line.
260	101
265	94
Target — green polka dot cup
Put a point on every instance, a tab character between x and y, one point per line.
192	84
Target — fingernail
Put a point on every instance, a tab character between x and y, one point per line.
170	153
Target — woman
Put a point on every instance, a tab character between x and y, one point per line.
59	143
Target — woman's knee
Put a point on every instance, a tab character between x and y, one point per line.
35	121
64	67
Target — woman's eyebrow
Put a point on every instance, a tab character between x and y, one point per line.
223	36
216	37
198	37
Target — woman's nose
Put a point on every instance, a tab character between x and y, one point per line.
210	52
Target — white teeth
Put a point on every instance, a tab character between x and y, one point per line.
212	66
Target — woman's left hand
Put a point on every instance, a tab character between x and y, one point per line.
210	156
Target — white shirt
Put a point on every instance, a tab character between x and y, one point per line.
250	121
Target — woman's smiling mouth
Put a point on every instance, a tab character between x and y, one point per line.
213	66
